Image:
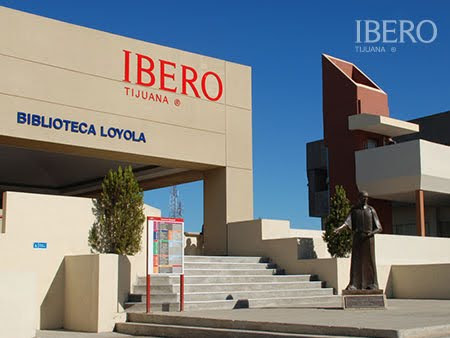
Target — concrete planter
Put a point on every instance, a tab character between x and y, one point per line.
91	292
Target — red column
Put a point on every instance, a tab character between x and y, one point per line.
181	292
147	298
420	213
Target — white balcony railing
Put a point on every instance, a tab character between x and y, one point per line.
392	172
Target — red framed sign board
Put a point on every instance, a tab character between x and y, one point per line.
165	251
165	245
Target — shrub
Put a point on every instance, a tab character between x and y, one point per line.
339	245
119	213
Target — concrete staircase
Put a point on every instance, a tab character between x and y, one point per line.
226	282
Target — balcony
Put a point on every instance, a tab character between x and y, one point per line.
395	172
381	125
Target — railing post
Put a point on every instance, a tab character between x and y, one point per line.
182	292
148	304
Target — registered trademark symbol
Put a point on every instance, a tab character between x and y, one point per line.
177	102
393	49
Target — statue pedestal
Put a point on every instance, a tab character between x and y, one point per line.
364	299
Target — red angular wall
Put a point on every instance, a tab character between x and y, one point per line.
347	91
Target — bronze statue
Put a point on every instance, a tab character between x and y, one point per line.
364	223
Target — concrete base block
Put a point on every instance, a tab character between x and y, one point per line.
363	299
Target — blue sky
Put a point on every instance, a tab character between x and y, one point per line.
282	41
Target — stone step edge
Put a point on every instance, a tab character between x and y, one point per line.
293	328
235	300
242	276
229	263
231	282
153	303
259	299
257	283
238	275
229	270
199	331
220	292
260	257
305	291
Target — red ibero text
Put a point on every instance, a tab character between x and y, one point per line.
191	83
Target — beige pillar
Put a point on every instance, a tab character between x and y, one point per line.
228	191
228	197
420	213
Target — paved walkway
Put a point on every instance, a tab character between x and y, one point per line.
71	334
401	315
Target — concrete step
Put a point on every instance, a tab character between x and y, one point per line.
158	280
225	259
156	289
327	301
157	298
268	327
163	330
226	287
204	296
140	307
209	279
229	272
228	265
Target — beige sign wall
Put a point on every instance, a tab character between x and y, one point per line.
78	74
132	101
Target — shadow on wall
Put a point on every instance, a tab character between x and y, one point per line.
389	289
190	248
52	307
124	282
305	249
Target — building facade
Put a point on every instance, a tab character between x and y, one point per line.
77	102
403	165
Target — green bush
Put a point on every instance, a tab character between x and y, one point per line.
339	245
119	213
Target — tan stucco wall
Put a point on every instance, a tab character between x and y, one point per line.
429	281
261	238
71	72
63	223
18	314
257	237
396	249
54	68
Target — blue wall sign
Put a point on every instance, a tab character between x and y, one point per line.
81	127
39	245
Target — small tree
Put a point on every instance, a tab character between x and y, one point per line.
339	245
119	213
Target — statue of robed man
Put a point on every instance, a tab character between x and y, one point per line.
364	223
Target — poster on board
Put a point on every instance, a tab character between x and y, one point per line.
165	245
